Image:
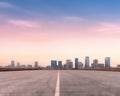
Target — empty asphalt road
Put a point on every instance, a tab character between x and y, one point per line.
28	83
89	83
59	83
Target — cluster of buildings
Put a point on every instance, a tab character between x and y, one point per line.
67	65
77	64
95	63
17	65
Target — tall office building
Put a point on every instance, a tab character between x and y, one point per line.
69	64
76	63
53	64
36	64
87	61
60	64
95	63
107	62
12	64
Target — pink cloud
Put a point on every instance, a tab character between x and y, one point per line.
23	23
34	31
109	28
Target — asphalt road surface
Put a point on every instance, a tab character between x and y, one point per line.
89	83
28	83
59	83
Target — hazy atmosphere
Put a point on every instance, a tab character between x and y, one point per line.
41	30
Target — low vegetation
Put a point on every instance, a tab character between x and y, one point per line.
89	69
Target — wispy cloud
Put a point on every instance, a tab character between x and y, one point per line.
73	18
6	5
23	23
109	27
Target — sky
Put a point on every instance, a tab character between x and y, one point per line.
42	30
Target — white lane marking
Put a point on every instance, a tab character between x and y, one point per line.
57	90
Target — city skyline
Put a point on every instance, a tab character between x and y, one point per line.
68	64
42	30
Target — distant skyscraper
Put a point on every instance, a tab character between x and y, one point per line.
60	64
76	63
36	64
12	64
53	64
95	63
107	62
87	61
69	64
